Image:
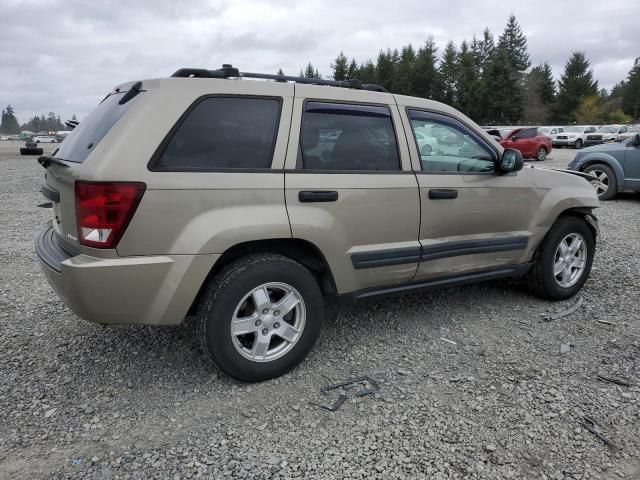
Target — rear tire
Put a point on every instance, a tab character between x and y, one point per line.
556	275
240	295
578	143
604	182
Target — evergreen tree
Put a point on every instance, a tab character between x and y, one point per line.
547	83
448	73
352	71
426	78
631	94
500	90
466	98
385	68
403	73
482	49
366	72
514	43
575	83
340	67
8	122
280	72
310	72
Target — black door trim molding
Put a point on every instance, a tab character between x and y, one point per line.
402	256
385	258
469	247
370	294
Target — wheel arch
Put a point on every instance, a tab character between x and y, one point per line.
584	212
604	159
297	249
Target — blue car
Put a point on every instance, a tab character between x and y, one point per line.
615	167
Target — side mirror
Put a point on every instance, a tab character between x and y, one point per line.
511	161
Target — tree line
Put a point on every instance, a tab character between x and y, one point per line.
9	124
493	81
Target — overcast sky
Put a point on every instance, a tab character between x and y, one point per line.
64	55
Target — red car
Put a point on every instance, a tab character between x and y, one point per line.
530	142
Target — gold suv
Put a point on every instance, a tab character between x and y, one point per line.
254	205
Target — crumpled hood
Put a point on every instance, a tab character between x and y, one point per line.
555	177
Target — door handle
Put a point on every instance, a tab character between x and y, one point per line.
307	196
442	193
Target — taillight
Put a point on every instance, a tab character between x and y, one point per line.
104	209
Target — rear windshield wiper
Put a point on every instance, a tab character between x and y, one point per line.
46	160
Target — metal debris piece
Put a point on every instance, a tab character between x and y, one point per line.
344	386
590	424
335	405
617	381
448	341
606	322
564	313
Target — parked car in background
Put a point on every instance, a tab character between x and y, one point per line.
606	133
44	139
427	142
573	136
530	141
614	166
552	132
631	132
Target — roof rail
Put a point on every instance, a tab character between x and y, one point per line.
228	71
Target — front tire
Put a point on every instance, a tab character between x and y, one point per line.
541	155
562	263
604	180
578	143
260	316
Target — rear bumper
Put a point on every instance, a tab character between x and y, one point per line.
149	290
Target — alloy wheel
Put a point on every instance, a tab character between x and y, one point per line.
600	181
570	260
268	322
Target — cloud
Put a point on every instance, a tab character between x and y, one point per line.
64	55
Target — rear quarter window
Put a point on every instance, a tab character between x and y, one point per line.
92	129
221	133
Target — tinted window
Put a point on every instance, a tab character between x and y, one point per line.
447	146
348	137
86	136
224	132
528	133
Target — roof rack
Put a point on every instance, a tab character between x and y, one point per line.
228	71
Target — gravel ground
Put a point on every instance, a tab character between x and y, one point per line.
505	400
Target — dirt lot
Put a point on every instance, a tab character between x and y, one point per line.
506	400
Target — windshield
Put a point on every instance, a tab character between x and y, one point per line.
607	129
575	129
86	136
544	130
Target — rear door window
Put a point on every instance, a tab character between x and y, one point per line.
222	133
347	137
92	129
